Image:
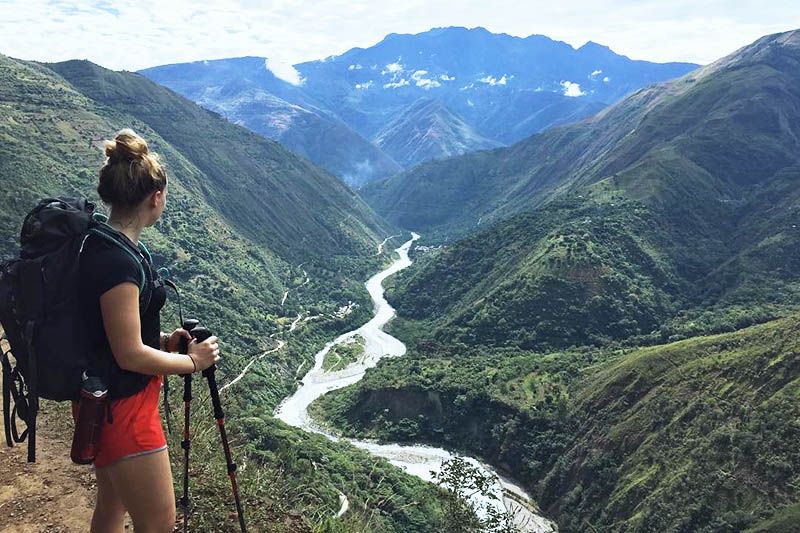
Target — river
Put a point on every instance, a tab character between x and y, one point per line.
418	460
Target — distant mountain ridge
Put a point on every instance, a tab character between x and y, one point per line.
426	130
504	88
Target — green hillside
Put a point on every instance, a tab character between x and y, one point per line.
267	193
233	277
709	136
695	436
663	249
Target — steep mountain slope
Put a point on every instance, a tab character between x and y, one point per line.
693	436
428	130
504	87
246	92
325	140
577	272
282	201
707	136
518	114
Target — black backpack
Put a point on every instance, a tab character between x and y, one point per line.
40	309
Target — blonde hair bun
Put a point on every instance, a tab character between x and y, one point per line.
126	146
131	171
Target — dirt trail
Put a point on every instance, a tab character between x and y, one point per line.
52	495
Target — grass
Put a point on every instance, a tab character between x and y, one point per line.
343	354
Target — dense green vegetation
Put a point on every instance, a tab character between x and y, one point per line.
602	269
341	355
698	435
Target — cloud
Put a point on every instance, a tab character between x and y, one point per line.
491	80
466	87
422	81
306	30
445	77
395	84
393	68
606	79
354	67
595	73
572	89
284	71
366	85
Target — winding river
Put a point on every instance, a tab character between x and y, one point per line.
415	459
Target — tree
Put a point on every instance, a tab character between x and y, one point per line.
462	483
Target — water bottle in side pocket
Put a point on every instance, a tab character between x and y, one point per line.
91	410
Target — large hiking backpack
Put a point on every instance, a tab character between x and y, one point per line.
40	309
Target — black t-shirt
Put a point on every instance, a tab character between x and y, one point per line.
104	265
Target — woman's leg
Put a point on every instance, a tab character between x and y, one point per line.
109	513
144	486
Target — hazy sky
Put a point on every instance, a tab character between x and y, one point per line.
136	34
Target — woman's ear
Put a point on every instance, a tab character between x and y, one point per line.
155	198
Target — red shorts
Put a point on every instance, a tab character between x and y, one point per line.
136	429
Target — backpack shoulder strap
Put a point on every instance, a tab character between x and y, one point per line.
109	234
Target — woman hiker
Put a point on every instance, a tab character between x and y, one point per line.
132	465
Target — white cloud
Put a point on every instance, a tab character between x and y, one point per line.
395	84
422	81
572	89
606	79
184	30
445	77
466	87
491	80
393	68
595	73
470	103
284	71
366	85
354	67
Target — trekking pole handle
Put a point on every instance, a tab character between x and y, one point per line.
183	342
202	334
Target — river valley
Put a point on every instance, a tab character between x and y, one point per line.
419	460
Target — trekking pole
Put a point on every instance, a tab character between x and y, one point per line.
202	334
189	325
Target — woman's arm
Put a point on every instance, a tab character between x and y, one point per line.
120	309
